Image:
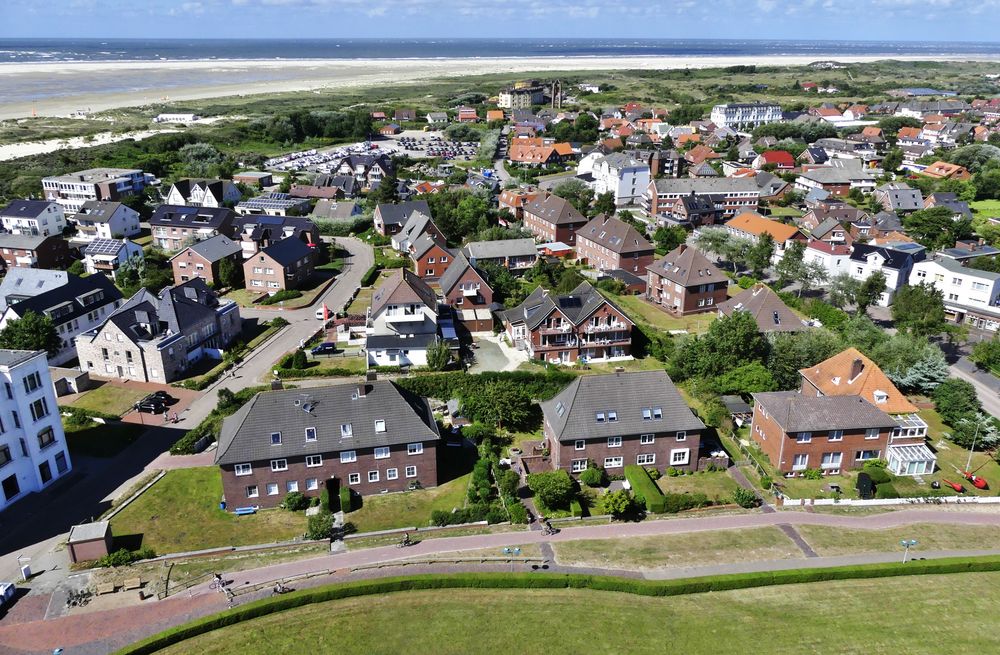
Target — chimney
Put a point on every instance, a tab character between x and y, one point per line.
366	386
857	366
681	248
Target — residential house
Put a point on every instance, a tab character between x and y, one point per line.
942	170
832	256
702	170
685	282
899	197
621	419
274	204
467	115
800	432
204	258
402	321
391	129
437	117
700	154
331	210
730	195
416	226
33	217
780	160
516	255
256	179
815	156
551	218
468	293
108	255
750	225
282	266
836	179
175	226
367	169
839	212
526	153
203	193
404	115
745	116
521	97
661	163
431	256
160	337
514	200
101	219
75	304
617	173
970	295
832	232
610	243
966	250
74	189
389	218
255	233
579	326
34	251
33	448
767	309
372	437
895	263
849	373
960	208
327	186
695	210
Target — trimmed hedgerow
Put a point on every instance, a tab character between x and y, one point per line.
643	485
640	587
346	500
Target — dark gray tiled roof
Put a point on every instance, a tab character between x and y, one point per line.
555	210
501	248
246	435
616	235
403	286
766	307
572	413
288	251
22	241
795	412
576	306
193	217
380	341
399	213
686	266
216	248
25	208
15	357
455	271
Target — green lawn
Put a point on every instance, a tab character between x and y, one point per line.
643	312
101	440
362	302
717	485
110	399
987	208
828	541
676	550
409	508
785	212
855	617
181	513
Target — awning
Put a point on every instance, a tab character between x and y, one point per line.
912	453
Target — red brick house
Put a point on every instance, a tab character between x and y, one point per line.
830	433
620	419
34	251
514	200
281	266
551	218
609	243
373	437
469	294
203	259
685	282
581	325
430	256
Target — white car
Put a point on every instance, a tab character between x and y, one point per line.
321	311
7	590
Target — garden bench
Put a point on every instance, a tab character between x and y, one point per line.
133	583
106	588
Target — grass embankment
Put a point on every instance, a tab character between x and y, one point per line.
579	620
181	513
410	508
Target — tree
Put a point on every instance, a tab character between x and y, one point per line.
893	160
619	504
438	356
730	342
976	431
569	279
869	291
753	377
577	193
505	286
955	400
919	309
811	274
713	240
791	265
912	363
986	354
498	403
387	190
668	238
758	256
935	228
77	268
33	331
200	159
790	352
553	488
605	204
230	275
843	289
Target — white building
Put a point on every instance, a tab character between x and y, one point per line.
402	321
203	193
107	256
33	218
618	173
99	219
895	263
74	189
745	115
959	285
834	258
33	451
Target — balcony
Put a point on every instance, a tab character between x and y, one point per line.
470	293
606	328
564	329
404	317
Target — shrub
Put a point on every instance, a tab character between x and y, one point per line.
865	486
746	281
766	482
674	503
278	322
553	488
827	314
875	464
123	557
518	512
299	359
507	481
812	474
459	384
295	501
370	276
643	485
324	500
654	473
672	472
478	432
575	508
496	514
878	476
281	296
886	491
592	476
470	514
346	500
320	526
745	498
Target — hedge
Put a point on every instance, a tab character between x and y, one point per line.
370	276
575	508
454	384
346	500
88	413
643	485
281	296
660	588
317	372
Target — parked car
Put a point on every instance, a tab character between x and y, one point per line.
151	405
7	591
161	395
325	348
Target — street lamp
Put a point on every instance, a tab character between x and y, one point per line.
907	544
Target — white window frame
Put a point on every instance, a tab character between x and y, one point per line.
614	462
312	484
313	432
871	434
680	456
614	442
645	459
803	437
647	439
382	452
353	478
411	471
312	461
681	435
279	465
273	435
243	469
578	466
272	489
291	486
836	435
392	474
415	448
379	426
373	476
580	444
252	491
348	456
805	461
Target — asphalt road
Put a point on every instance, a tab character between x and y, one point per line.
987	386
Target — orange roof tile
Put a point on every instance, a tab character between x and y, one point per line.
838	376
755	224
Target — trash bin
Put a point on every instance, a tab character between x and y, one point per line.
222	505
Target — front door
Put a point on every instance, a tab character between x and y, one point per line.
120	372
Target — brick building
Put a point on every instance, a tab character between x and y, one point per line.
467	292
551	218
609	243
34	251
204	258
373	437
685	282
284	265
615	420
431	257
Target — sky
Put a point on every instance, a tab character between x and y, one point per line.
896	20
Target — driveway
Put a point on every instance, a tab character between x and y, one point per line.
494	355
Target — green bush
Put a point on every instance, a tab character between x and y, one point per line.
812	474
575	508
507	481
470	514
643	485
281	296
295	501
746	281
320	526
553	488
123	557
593	476
886	491
518	512
766	482
299	359
674	503
346	500
278	322
370	276
745	498
878	476
654	473
865	486
324	499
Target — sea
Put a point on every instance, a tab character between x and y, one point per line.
99	50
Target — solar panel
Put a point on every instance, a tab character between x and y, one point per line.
104	247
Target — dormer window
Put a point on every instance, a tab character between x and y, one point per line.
346	430
600	417
881	397
310	434
657	413
379	425
612	416
275	438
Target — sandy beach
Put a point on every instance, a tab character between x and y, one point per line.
59	89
